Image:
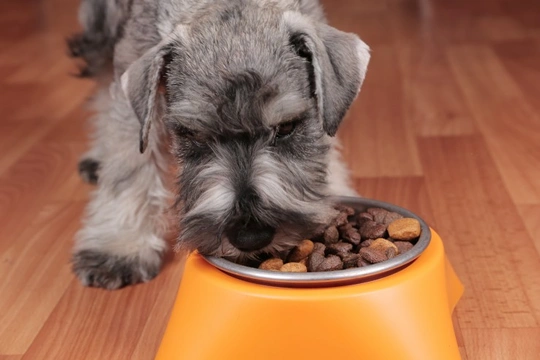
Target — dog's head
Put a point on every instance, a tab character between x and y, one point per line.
253	96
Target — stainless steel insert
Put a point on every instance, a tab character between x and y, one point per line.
339	277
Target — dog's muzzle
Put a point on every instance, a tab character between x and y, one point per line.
251	236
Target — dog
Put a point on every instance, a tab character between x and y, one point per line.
245	96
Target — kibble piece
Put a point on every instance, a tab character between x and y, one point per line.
343	229
366	243
363	217
350	234
331	235
388	247
361	262
301	251
346	209
350	260
340	220
378	214
372	230
331	263
382	244
404	229
319	248
340	249
391	253
403	246
391	216
273	264
318	233
293	267
314	261
372	255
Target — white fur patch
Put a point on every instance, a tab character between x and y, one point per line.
124	82
283	108
218	198
268	175
364	55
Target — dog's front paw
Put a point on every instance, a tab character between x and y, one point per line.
98	269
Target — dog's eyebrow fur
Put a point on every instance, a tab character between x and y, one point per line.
285	108
303	115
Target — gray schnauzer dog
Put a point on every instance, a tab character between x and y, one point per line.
245	96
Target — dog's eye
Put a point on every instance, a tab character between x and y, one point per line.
285	130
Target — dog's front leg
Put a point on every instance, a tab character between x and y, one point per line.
121	242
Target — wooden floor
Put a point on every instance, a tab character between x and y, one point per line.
447	124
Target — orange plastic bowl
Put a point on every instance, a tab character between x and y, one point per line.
398	309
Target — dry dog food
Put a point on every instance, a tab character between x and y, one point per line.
351	240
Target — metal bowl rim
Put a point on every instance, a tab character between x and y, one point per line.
284	278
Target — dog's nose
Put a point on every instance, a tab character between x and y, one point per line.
251	237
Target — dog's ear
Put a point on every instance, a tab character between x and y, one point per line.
338	63
140	84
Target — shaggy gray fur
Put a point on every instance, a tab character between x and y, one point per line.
251	94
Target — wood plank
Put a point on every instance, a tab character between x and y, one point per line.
76	127
531	217
54	104
17	138
28	48
520	59
459	337
368	19
30	293
409	192
525	12
483	233
52	65
503	344
501	28
434	104
154	328
376	139
20	95
100	324
508	122
33	181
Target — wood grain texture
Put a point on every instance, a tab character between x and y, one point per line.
434	104
378	114
508	122
30	293
503	344
97	324
447	125
531	216
498	274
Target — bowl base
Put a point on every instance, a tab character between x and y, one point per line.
403	316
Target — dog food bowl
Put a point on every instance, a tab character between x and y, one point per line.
399	309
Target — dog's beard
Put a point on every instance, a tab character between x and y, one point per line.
204	228
214	207
199	236
284	240
289	195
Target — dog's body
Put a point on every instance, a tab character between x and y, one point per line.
253	94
